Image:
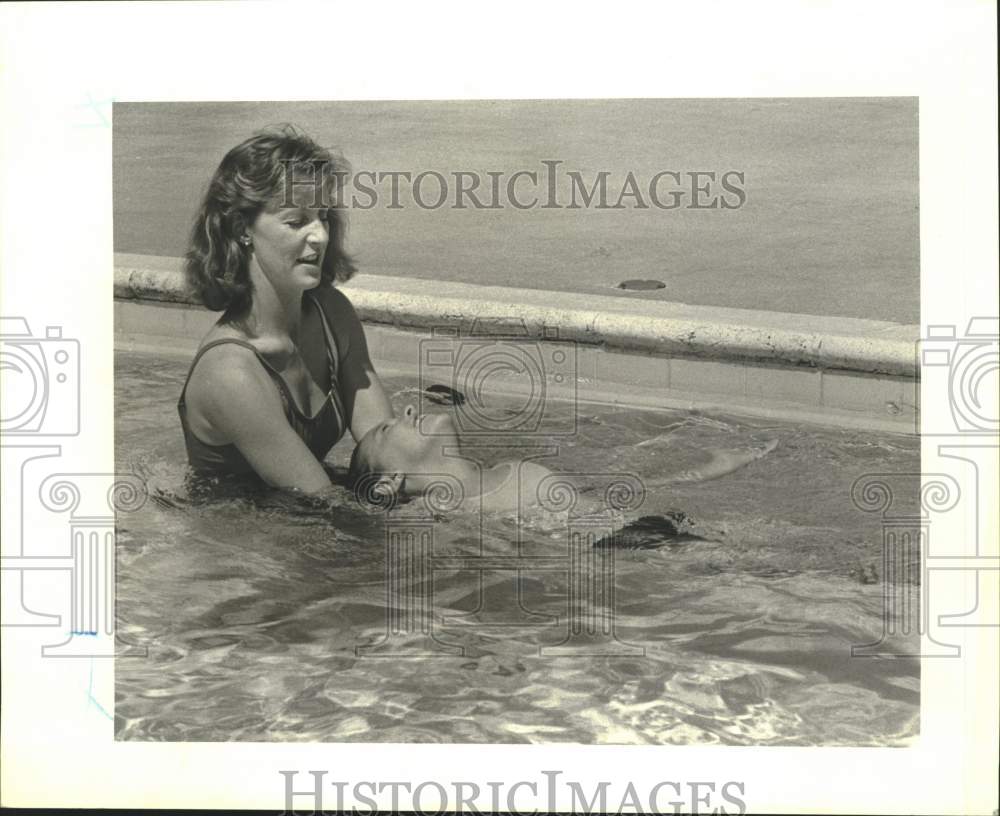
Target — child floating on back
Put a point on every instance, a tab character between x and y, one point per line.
406	455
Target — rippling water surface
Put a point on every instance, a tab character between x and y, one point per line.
253	607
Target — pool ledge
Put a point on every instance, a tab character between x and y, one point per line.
651	327
836	371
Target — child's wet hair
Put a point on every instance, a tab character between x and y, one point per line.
359	467
369	484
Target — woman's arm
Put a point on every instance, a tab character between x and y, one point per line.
364	397
232	397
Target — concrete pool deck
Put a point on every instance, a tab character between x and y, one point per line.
831	370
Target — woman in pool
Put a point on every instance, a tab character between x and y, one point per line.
284	372
405	455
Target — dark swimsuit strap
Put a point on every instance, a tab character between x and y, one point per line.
332	348
331	356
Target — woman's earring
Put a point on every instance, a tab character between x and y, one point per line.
246	240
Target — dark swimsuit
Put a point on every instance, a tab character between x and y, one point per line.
320	432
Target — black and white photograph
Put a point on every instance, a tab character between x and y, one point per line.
517	421
561	411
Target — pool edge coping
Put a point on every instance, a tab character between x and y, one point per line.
657	328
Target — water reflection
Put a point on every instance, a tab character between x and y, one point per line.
738	602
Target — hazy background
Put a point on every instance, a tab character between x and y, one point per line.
830	224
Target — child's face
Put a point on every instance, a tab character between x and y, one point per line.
409	443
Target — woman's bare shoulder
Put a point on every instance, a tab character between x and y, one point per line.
226	372
226	385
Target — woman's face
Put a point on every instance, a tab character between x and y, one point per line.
289	244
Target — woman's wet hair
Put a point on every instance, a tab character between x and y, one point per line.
250	176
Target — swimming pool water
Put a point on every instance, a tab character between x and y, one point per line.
252	607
